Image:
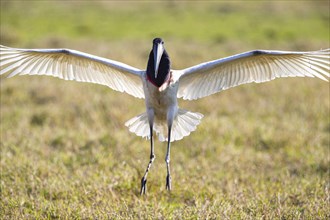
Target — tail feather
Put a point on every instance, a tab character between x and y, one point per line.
183	125
139	125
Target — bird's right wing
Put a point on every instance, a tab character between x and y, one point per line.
255	66
72	65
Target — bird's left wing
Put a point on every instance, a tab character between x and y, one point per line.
254	66
72	65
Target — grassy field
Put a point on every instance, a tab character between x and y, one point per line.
261	151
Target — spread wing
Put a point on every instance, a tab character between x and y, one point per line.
72	65
254	66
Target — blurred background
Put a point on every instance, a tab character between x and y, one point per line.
203	29
261	150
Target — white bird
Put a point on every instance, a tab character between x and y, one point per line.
161	86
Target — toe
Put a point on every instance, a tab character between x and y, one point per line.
168	182
143	186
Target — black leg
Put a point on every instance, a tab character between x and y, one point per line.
167	160
152	157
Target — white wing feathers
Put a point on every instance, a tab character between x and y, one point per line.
194	82
254	66
72	65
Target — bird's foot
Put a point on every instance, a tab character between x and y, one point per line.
168	182
143	186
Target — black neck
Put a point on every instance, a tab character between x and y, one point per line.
163	70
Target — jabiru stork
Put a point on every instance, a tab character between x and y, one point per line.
161	86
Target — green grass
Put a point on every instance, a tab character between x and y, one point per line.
261	151
253	22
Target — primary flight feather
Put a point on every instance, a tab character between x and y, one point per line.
161	86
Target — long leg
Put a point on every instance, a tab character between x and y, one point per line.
152	157
167	160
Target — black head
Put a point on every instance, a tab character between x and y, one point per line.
158	68
158	41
